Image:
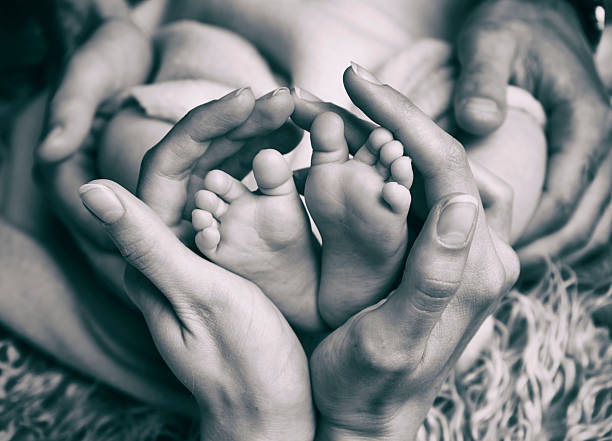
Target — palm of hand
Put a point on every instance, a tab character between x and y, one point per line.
233	349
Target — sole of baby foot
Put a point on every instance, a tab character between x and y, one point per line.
264	237
360	206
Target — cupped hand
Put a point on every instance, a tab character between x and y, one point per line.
541	47
225	134
378	374
116	56
220	335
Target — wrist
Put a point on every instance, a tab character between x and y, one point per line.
327	431
228	426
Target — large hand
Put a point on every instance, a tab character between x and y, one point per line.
377	375
229	134
220	335
540	47
116	56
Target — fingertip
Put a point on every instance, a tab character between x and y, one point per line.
55	147
479	115
102	202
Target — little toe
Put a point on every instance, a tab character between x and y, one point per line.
272	173
209	201
327	138
397	196
207	239
378	138
224	185
401	171
201	219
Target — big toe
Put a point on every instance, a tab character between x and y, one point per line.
272	173
327	138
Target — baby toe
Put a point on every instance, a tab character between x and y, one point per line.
378	137
390	152
209	201
272	173
397	196
224	185
401	171
201	219
208	239
327	138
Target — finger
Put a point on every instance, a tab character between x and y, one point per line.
60	182
146	242
308	107
165	170
433	275
577	232
439	158
486	54
267	127
270	113
579	137
284	139
497	198
599	240
117	56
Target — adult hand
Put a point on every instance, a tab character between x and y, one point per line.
116	56
220	335
540	46
255	373
377	375
229	132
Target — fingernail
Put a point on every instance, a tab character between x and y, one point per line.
102	202
600	18
280	90
234	94
457	220
275	92
305	95
365	74
480	107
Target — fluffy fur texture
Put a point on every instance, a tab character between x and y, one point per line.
546	375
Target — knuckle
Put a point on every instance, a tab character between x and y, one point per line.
378	350
139	252
453	155
496	282
148	160
494	285
436	289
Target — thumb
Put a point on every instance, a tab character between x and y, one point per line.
144	240
486	56
434	269
117	56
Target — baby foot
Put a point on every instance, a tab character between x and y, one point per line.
264	236
360	206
